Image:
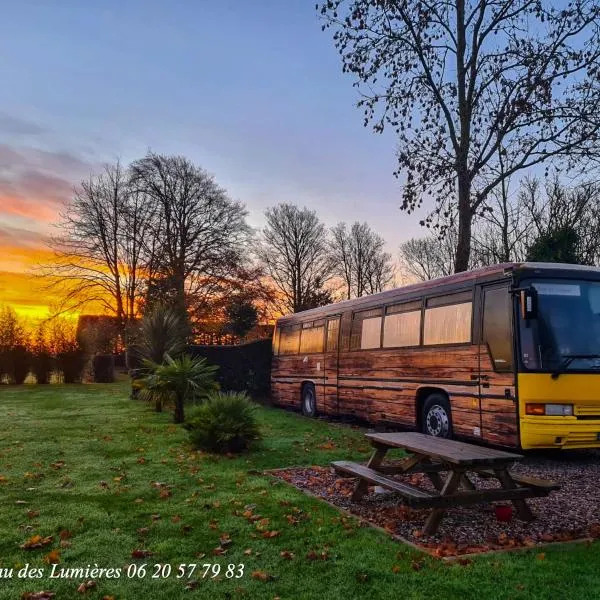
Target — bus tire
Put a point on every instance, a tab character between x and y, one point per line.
436	416
309	400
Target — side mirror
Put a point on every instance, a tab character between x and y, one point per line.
528	303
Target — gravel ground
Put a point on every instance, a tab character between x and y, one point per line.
573	512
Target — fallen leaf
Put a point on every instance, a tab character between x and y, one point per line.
261	576
32	514
65	534
287	554
36	541
143	530
85	586
416	565
248	551
270	534
175	519
44	595
141	553
395	569
52	558
541	556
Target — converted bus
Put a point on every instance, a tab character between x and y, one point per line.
507	355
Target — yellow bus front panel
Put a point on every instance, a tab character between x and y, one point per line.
579	430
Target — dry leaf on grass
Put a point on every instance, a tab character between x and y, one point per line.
36	541
262	576
86	586
138	553
52	558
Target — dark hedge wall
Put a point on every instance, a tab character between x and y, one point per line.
103	368
246	367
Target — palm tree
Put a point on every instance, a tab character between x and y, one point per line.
162	332
180	380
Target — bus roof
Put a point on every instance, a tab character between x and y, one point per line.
473	275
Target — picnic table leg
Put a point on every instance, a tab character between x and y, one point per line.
508	483
450	486
363	486
467	483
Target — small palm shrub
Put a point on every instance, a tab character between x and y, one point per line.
180	380
225	422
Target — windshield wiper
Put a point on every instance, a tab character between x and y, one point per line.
568	359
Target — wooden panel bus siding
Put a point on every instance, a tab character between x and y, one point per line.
385	385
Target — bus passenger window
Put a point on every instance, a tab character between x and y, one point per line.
366	330
311	340
497	327
289	340
450	324
333	330
402	329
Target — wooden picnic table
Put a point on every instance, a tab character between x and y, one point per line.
434	456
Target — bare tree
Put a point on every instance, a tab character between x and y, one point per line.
199	232
294	253
101	251
463	82
503	233
359	259
569	215
429	257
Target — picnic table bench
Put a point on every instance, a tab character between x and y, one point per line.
434	456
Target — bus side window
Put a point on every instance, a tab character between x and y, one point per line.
497	327
366	330
289	340
333	330
276	335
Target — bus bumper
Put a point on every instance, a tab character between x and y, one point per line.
562	432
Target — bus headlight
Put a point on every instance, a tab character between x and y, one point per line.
549	410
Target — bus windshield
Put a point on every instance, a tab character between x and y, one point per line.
565	335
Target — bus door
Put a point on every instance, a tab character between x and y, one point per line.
497	397
332	356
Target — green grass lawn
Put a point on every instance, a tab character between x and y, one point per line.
85	457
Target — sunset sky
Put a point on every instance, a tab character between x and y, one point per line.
251	91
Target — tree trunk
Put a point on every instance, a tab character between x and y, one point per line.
465	218
178	416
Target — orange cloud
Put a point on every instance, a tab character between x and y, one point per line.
34	186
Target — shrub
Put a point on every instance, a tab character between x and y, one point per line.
21	363
42	365
103	368
14	363
180	379
71	362
225	422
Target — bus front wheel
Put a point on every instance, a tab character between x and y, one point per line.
309	400
436	418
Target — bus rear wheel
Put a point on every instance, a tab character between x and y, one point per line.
309	400
436	417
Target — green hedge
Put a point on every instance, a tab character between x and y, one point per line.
246	367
